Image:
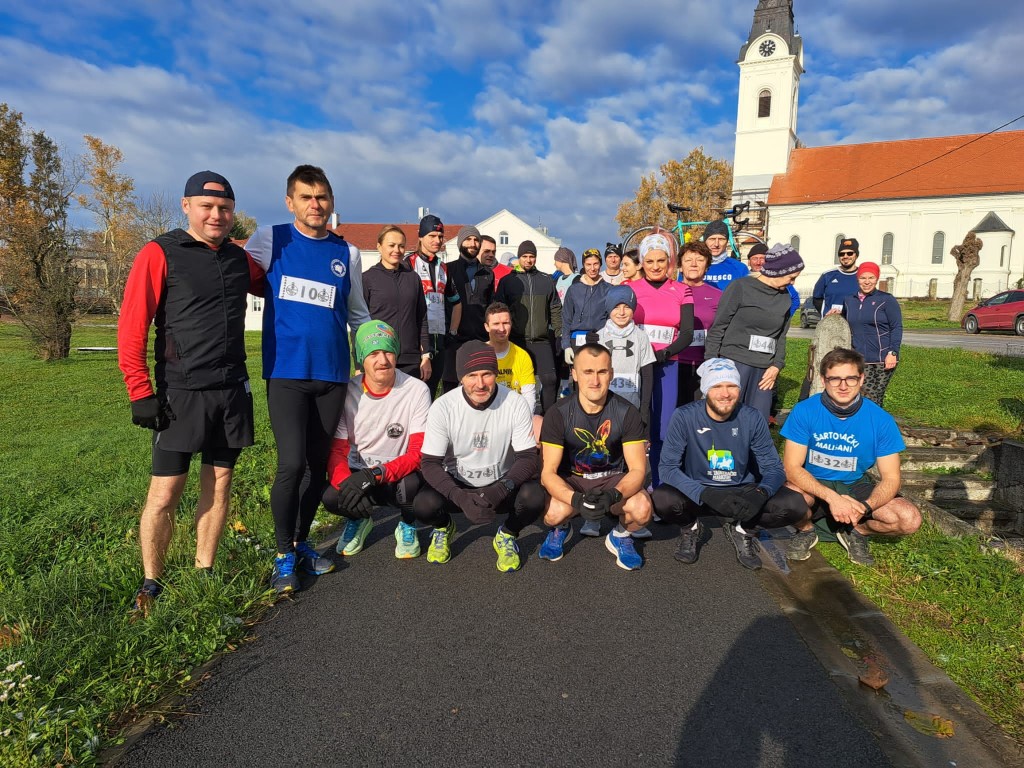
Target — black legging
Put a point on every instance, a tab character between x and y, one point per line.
543	356
303	416
525	507
784	508
398	494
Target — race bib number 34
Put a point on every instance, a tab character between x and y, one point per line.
306	291
838	463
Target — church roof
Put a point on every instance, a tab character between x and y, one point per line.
986	165
992	223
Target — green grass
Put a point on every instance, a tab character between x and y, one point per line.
922	314
75	476
962	604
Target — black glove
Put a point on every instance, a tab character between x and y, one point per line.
603	501
473	504
717	498
152	413
753	500
661	355
580	504
495	493
352	492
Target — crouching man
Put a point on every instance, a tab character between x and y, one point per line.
594	461
832	440
719	459
375	456
480	458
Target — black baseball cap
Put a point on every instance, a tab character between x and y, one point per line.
196	186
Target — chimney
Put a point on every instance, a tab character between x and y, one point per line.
421	212
334	220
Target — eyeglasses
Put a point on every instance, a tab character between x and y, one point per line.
835	381
847	253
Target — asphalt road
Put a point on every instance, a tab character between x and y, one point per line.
997	342
571	663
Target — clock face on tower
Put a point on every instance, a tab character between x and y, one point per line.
767	48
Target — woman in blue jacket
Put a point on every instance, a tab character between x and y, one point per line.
877	326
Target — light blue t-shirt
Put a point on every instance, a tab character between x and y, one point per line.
842	449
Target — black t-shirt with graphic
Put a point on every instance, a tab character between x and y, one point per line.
592	442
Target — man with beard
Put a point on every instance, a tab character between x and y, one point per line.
438	290
489	258
719	459
834	286
479	458
532	298
724	269
474	284
832	440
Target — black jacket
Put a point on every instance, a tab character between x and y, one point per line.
474	298
536	308
396	297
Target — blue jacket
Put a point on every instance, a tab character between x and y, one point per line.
876	323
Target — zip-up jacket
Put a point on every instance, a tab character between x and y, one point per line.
474	295
536	308
396	297
584	309
876	323
197	297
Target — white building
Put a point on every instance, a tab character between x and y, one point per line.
907	202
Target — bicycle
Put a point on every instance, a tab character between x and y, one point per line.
733	225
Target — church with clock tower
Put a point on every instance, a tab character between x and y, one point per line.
908	201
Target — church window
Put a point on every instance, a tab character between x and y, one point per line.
764	103
503	238
794	242
839	238
938	246
1002	256
887	248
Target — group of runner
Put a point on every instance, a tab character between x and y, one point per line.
455	407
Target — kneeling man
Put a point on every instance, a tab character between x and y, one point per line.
480	457
832	440
375	456
719	459
594	460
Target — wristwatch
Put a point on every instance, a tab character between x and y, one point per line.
509	484
378	474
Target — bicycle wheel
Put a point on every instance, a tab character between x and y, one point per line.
632	240
743	234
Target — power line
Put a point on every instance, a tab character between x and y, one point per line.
902	173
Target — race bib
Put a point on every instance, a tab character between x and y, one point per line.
762	344
838	463
836	307
659	334
306	291
622	384
435	312
578	338
698	337
477	476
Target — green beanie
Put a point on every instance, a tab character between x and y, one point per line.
374	335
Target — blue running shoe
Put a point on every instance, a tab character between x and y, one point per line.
625	553
283	578
554	543
353	537
311	561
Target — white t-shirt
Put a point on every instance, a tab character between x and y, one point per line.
479	445
378	428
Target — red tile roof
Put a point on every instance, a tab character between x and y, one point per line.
992	164
364	236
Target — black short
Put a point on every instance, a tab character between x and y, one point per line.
215	422
585	485
860	490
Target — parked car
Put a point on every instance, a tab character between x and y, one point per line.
1002	312
809	314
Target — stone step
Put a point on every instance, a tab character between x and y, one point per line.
987	516
928	485
938	458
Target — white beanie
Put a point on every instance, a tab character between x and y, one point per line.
717	370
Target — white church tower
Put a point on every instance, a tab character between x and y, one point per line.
770	63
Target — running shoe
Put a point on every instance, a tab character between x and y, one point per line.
407	543
354	536
689	544
801	544
626	556
641	533
856	546
312	562
508	551
554	543
591	528
144	600
283	578
746	547
440	549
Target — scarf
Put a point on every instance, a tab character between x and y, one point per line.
842	411
611	330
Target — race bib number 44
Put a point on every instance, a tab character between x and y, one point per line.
306	291
838	463
762	344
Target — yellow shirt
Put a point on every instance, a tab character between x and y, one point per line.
515	371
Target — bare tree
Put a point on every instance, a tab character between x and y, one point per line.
37	245
159	212
968	256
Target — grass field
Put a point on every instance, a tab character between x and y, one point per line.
925	314
75	476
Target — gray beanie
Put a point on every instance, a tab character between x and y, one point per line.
466	232
781	260
565	256
716	228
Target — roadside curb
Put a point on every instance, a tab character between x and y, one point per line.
852	638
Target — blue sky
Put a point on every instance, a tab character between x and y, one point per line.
553	110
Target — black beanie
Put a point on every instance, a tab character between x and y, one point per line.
525	247
430	223
716	228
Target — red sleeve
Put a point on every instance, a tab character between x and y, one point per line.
408	462
143	292
257	277
337	461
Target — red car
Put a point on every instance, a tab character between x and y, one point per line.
1003	312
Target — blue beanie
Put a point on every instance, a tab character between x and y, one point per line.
619	294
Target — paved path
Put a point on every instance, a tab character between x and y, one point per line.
569	663
995	342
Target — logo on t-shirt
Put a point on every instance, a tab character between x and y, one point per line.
479	441
721	459
338	268
595	451
394	430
